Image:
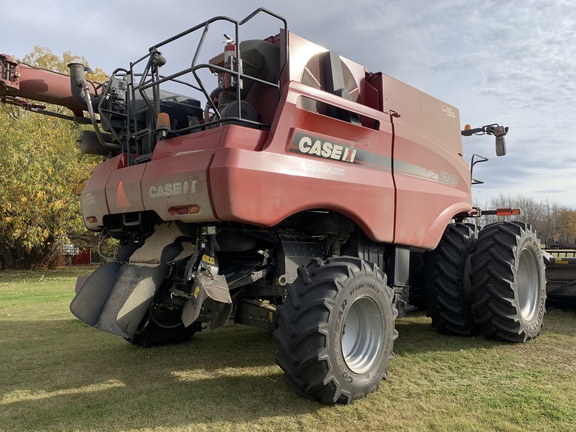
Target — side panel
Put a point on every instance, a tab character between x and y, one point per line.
123	191
177	182
432	178
177	175
93	198
308	164
175	178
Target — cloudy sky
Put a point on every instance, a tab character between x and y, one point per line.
511	62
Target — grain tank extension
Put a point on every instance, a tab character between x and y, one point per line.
275	183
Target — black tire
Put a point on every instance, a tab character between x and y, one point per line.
508	282
163	327
446	282
336	330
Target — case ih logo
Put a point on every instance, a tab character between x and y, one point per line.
172	189
325	149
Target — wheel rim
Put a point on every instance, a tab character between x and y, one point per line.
165	318
528	284
362	334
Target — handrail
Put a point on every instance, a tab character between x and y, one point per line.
147	83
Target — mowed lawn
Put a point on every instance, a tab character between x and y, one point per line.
56	373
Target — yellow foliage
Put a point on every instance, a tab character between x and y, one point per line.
58	204
42	170
568	219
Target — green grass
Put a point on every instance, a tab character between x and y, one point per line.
58	374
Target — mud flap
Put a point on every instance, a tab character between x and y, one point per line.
213	287
116	297
93	292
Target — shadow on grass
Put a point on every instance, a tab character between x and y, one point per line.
62	374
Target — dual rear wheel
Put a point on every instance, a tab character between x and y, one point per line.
491	283
508	282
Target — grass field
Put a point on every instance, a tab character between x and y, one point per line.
58	374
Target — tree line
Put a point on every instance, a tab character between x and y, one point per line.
42	175
555	224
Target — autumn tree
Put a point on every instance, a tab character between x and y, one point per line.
549	219
568	220
42	174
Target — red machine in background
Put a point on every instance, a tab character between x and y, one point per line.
295	191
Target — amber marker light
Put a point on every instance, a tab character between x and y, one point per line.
502	212
507	212
182	210
91	219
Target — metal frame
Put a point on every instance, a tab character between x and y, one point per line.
150	78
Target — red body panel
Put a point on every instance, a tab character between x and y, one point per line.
93	199
123	190
432	178
179	181
398	172
299	181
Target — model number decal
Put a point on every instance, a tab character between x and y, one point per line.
448	179
308	166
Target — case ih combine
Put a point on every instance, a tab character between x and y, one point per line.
295	191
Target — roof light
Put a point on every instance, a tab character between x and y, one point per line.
162	124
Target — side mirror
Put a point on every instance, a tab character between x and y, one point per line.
492	129
500	145
499	132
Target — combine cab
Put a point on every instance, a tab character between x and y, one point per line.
278	184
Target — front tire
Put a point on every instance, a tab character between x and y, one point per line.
336	330
508	281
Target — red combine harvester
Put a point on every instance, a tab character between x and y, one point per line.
296	191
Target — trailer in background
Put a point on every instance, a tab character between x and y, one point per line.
561	273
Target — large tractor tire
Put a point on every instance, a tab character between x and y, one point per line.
336	330
163	326
508	282
446	281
